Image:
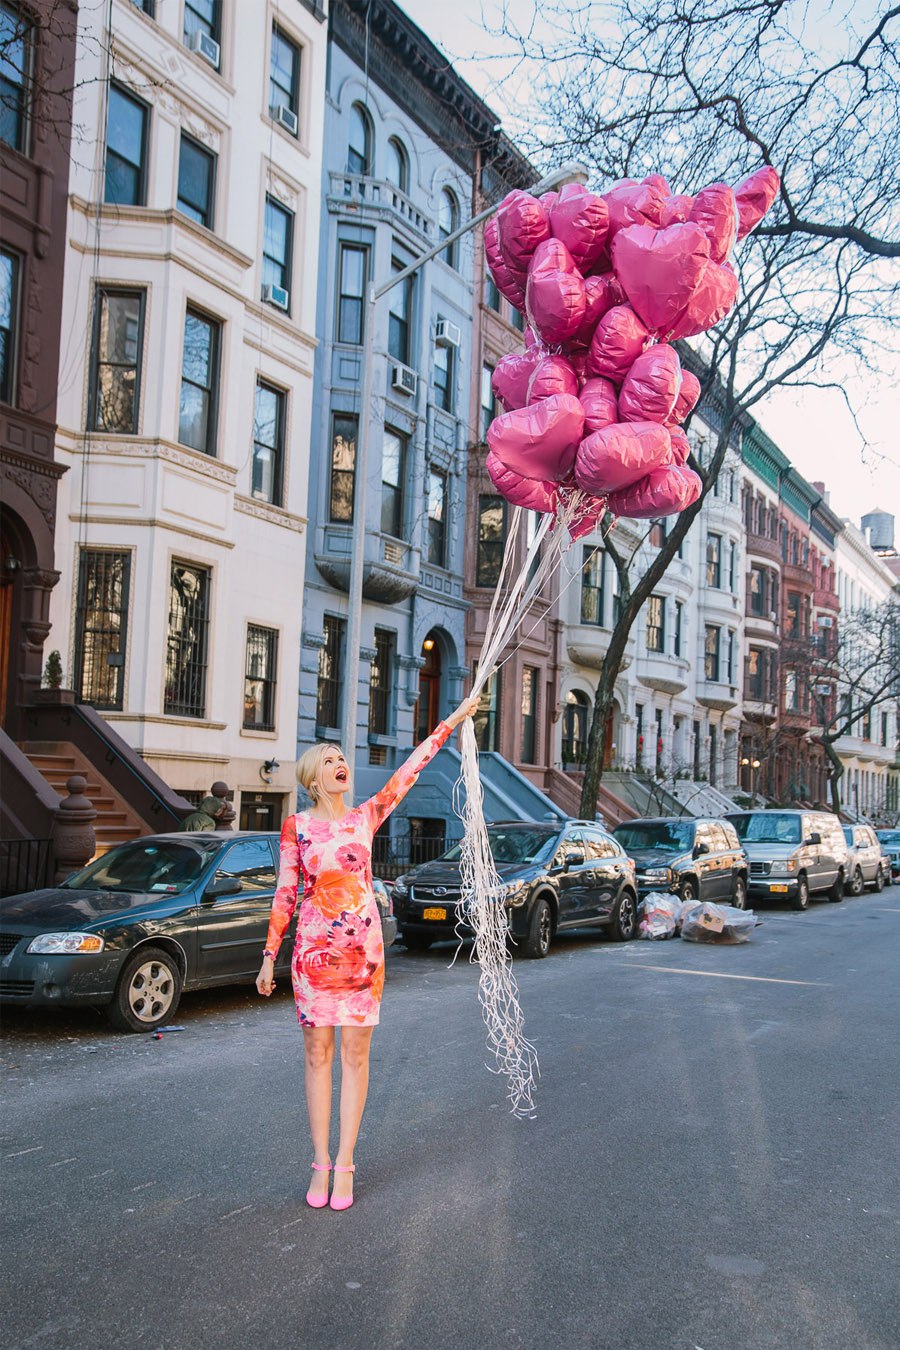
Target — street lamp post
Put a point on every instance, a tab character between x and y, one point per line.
569	173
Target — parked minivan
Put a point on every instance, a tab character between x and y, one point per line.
793	854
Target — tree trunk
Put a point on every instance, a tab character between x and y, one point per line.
836	776
603	706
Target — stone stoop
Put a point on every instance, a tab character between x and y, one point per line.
57	761
565	790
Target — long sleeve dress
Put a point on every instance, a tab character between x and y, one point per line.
338	966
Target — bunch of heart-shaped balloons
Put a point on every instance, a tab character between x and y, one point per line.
608	282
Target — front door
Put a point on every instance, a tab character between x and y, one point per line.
428	706
231	929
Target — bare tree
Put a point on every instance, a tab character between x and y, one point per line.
708	90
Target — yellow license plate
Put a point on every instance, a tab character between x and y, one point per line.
782	890
434	912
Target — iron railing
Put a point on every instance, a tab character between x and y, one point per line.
25	865
392	857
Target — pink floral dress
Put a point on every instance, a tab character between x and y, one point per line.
338	966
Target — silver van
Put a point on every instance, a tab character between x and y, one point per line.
793	854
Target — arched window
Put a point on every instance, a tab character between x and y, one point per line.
448	222
397	165
359	148
576	718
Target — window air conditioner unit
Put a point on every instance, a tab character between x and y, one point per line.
205	46
277	296
447	334
826	621
284	117
403	379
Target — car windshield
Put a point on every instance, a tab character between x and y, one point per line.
891	837
848	835
513	846
163	866
767	827
670	836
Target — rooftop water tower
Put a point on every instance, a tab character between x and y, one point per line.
879	527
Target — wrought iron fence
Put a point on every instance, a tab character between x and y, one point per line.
392	857
25	865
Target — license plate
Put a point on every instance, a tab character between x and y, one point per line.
781	890
434	912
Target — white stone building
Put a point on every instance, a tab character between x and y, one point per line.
186	383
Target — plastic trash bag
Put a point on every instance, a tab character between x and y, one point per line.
660	915
716	923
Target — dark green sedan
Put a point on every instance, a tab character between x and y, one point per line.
139	925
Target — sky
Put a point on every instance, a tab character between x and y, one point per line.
812	427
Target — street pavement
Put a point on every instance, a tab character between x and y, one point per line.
714	1163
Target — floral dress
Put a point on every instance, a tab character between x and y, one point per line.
338	966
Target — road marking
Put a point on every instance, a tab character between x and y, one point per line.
719	975
233	1212
63	1163
22	1151
881	910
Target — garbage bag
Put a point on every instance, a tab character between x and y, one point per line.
709	922
660	915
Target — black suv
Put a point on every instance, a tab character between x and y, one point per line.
555	877
696	859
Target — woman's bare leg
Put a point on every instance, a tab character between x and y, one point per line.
355	1042
318	1044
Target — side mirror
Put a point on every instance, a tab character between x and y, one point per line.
814	838
700	849
574	860
222	886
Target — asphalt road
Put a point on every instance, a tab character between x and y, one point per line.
714	1164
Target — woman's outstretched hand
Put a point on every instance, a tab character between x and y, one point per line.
467	708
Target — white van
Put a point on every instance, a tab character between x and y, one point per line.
793	854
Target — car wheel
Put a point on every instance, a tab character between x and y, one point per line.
801	899
856	885
879	879
740	893
148	991
687	891
416	942
623	925
540	930
836	894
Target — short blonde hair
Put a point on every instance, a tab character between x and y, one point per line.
310	763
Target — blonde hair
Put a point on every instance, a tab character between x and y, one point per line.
310	763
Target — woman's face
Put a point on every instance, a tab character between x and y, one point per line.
334	775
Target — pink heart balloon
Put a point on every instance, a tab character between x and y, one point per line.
651	386
681	446
554	295
714	297
687	396
508	283
601	406
580	220
523	224
601	294
715	211
634	204
539	441
619	455
619	339
512	375
675	210
663	492
660	270
754	197
528	492
554	375
589	517
548	200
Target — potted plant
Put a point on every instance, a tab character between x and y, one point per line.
52	690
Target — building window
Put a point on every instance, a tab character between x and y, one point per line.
187	641
116	361
331	662
199	383
284	77
400	316
757	687
791	691
593	568
397	165
196	182
343	467
576	720
679	622
444	370
359	146
491	293
758	589
714	560
517	318
278	240
10	271
639	735
732	565
729	657
126	149
711	652
260	670
528	748
488	401
15	61
202	16
147	7
448	223
658	533
792	614
491	536
381	681
268	444
101	627
487	715
656	624
437	518
393	467
353	261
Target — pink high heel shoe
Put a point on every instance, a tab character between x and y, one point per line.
318	1201
348	1200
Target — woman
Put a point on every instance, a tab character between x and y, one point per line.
338	965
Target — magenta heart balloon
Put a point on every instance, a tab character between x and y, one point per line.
508	283
523	224
601	294
681	446
589	516
619	339
601	406
715	211
634	204
660	270
663	492
548	200
539	441
553	375
580	220
619	455
687	396
754	197
715	295
512	375
675	210
528	492
651	386
554	294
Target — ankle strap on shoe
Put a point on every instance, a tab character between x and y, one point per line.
351	1168
321	1167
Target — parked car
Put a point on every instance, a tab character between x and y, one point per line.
386	910
865	865
793	854
555	877
146	921
695	858
890	848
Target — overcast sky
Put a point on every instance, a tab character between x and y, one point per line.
812	427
